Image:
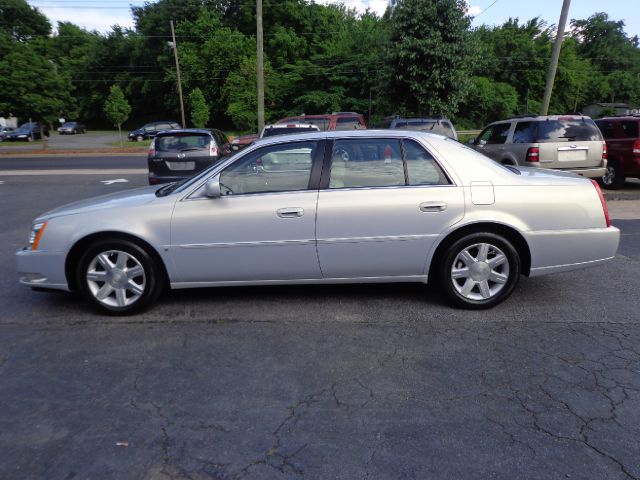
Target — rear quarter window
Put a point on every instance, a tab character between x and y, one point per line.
630	129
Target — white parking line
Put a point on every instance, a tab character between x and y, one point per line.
75	171
116	180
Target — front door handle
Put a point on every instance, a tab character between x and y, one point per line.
291	212
433	206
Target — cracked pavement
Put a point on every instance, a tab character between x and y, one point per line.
343	382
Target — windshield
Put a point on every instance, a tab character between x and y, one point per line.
69	124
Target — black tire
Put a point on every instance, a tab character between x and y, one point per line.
139	138
152	277
614	179
486	291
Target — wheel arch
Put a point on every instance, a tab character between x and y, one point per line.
510	233
78	248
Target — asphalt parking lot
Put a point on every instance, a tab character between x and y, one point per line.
344	382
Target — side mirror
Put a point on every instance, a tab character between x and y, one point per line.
212	187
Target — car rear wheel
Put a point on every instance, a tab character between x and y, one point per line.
479	270
613	179
119	277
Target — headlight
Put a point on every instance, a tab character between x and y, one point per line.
37	229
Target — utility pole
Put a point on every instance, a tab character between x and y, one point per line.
174	45
555	56
260	65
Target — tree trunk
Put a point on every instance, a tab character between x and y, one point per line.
120	136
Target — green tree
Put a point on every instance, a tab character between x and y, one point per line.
199	108
488	100
429	56
117	109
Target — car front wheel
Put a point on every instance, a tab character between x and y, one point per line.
479	270
139	138
119	277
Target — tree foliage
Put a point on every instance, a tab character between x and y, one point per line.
198	108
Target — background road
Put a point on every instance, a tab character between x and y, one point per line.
345	382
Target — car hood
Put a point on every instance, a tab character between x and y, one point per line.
123	199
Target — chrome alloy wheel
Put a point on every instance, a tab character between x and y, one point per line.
480	271
116	278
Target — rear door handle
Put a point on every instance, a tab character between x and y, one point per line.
291	212
433	206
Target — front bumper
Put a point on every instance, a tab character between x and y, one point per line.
41	269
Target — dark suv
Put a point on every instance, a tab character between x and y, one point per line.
179	154
150	130
622	135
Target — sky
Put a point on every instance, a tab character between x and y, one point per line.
102	14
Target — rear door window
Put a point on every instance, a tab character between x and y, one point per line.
524	133
607	128
568	130
422	168
366	163
630	129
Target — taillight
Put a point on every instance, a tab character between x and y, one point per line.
152	148
604	151
533	154
636	148
213	150
605	210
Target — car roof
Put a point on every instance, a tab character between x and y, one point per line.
626	118
195	131
350	134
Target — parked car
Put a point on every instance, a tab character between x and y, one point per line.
27	132
71	128
243	141
150	130
4	131
622	135
330	122
287	129
571	143
440	125
179	154
326	207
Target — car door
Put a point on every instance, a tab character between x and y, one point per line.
262	228
492	139
382	205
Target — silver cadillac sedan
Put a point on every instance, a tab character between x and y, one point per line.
329	207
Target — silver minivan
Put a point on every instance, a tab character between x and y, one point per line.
567	142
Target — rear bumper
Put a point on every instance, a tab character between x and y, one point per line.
561	251
589	172
41	269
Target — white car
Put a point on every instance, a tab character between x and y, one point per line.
359	206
